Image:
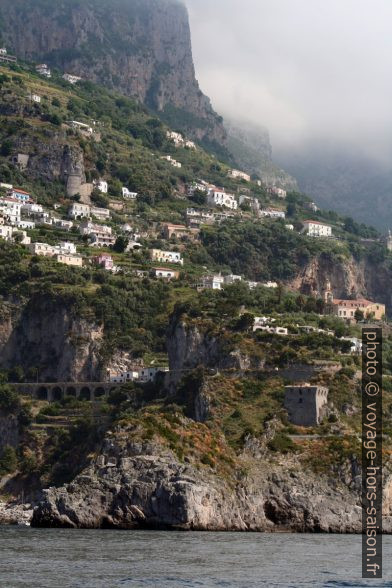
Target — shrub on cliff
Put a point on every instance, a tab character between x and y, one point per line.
8	460
9	400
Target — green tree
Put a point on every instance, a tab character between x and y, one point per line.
8	460
120	244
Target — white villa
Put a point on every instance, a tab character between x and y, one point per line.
316	229
172	161
71	78
11	209
213	282
272	213
218	197
43	70
126	194
140	374
165	274
166	256
78	210
237	174
101	185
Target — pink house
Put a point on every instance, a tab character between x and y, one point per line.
106	261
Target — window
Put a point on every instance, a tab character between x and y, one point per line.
300	400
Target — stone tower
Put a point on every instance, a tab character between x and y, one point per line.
306	405
328	294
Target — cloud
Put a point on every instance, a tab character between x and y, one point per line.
306	69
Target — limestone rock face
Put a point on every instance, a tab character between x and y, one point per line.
50	337
144	486
140	47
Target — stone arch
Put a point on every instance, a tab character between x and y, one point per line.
57	394
42	393
99	392
85	393
71	391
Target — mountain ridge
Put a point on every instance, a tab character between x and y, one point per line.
142	49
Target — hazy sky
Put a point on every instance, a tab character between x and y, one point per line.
303	68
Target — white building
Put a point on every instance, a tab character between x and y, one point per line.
43	70
6	232
165	274
272	213
79	126
231	279
316	229
78	210
218	197
43	249
35	98
172	161
201	186
11	209
139	374
237	174
67	247
6	186
63	224
290	227
87	228
213	282
69	259
71	78
279	192
101	185
356	344
3	51
177	138
127	195
30	208
166	256
100	213
25	224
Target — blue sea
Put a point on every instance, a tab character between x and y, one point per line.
40	558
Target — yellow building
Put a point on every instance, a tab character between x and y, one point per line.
346	308
75	260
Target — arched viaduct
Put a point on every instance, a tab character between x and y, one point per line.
58	390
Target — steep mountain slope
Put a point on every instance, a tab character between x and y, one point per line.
141	48
251	147
343	180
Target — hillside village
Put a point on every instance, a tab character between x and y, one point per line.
174	331
96	224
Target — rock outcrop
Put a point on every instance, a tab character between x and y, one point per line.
190	346
49	337
348	278
142	485
140	47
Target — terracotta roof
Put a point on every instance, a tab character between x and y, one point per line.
316	223
353	303
20	191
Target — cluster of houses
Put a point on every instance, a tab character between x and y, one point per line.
179	140
217	282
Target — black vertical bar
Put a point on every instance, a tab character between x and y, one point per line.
372	453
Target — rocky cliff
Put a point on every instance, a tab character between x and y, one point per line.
349	279
138	485
140	47
50	337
